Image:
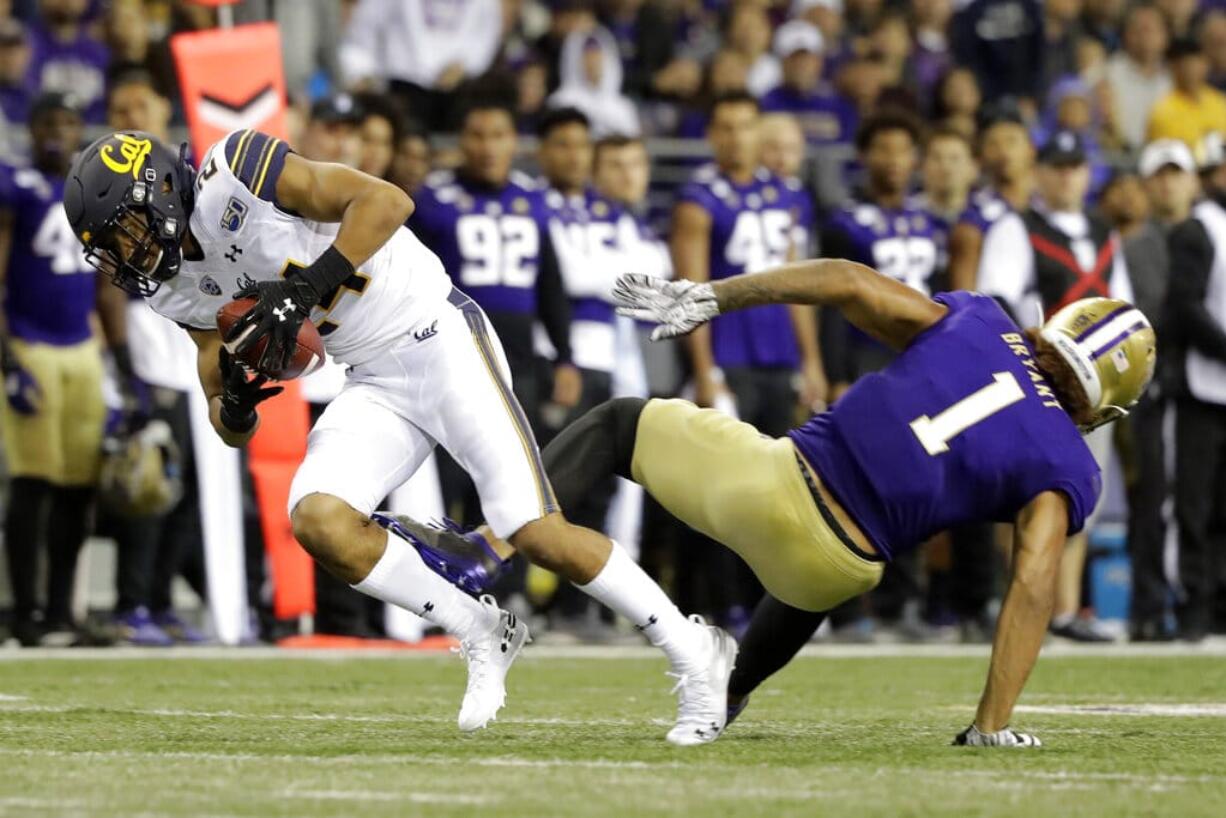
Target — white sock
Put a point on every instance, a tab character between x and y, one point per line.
401	578
625	587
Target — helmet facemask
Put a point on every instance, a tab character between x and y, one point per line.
139	246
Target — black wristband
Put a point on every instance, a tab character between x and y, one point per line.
327	272
240	424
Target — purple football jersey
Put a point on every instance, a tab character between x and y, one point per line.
49	291
901	243
489	239
961	427
754	227
77	67
983	209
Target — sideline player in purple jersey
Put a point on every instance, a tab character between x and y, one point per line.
1007	157
974	420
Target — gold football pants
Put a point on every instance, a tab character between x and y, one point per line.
725	479
62	441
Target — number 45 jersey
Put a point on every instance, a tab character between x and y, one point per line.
961	427
754	226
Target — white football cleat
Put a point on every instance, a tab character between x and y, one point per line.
702	692
489	652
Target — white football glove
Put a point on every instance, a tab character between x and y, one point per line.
972	737
679	307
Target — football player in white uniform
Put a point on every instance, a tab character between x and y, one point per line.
325	243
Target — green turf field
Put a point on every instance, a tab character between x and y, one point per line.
837	736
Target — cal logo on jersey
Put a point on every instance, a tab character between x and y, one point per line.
234	215
132	153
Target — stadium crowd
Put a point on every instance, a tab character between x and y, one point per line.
1005	146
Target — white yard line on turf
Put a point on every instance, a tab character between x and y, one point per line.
7	698
1164	709
410	797
341	717
1214	646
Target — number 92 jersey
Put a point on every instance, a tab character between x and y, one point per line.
961	427
49	294
246	237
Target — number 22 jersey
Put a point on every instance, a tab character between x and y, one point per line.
961	427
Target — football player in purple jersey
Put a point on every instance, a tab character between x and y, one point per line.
1007	157
974	420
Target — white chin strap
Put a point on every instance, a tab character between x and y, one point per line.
1079	361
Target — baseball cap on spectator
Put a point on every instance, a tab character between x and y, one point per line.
1063	148
1003	110
55	101
338	108
12	32
1211	151
801	6
1183	47
1163	153
798	35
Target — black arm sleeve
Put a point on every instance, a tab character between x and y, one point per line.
552	305
1191	252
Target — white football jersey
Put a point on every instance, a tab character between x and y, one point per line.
245	237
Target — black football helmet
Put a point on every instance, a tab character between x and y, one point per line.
129	185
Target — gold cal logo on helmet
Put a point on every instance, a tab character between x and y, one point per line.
132	152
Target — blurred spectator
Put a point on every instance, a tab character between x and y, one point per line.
862	15
1048	255
1169	177
947	173
824	117
1070	107
644	32
591	74
332	132
728	72
1137	73
889	43
1061	34
424	50
861	80
1180	16
66	57
15	89
747	31
1102	19
1193	108
412	160
1213	40
957	101
932	58
566	17
1001	41
827	15
380	132
1196	359
783	154
1006	156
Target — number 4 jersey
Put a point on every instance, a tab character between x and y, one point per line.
961	427
49	291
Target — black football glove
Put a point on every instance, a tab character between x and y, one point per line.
241	394
281	307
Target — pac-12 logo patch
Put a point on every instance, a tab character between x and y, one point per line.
209	287
234	216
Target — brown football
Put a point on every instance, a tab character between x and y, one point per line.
308	356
